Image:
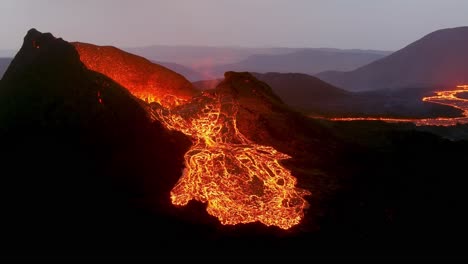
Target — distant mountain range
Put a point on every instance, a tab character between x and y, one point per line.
438	59
203	63
195	56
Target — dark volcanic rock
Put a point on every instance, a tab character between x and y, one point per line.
266	119
84	171
302	91
82	163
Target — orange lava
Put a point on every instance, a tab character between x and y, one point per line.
241	182
442	97
145	80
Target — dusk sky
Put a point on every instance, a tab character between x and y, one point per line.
365	24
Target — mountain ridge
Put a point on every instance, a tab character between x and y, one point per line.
437	59
80	156
307	61
84	167
138	74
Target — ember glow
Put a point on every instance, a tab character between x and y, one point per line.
241	182
448	97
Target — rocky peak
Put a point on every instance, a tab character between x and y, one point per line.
43	52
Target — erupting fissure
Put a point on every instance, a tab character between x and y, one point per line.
241	182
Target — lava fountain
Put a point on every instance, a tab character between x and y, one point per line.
241	182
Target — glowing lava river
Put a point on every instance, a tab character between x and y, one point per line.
448	97
241	182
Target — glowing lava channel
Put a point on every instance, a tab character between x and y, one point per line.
241	182
442	97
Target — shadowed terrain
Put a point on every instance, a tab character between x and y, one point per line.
84	165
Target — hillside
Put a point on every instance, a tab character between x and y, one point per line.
80	156
301	90
437	59
149	81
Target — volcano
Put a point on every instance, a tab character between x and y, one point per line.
234	162
232	165
81	156
103	159
241	181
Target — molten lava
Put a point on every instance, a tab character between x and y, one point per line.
240	181
145	80
448	98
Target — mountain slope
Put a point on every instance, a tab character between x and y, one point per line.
81	159
437	59
142	77
300	90
266	119
213	62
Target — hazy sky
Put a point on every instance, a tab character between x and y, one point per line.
368	24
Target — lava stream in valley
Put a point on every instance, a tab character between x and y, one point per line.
241	182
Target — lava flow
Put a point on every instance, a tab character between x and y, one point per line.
240	181
145	80
448	98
